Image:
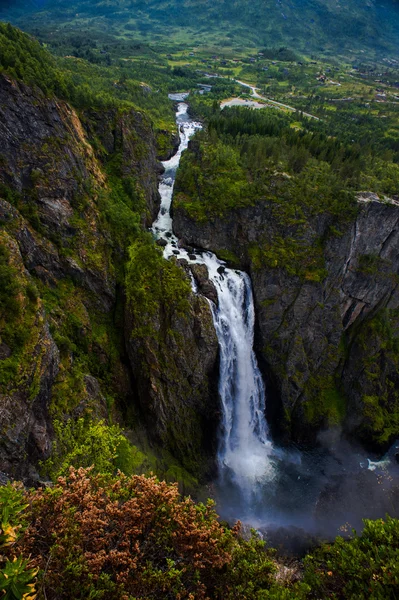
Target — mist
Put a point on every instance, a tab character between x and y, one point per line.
315	495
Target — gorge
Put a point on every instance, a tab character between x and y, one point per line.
259	482
199	302
244	448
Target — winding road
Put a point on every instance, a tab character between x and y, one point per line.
254	104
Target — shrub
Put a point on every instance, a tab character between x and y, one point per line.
85	443
364	568
17	578
93	536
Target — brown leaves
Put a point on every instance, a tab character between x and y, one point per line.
135	536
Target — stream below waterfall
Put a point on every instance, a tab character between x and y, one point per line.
263	485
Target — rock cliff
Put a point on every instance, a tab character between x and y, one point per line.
327	339
75	191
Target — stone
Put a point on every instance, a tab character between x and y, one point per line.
302	326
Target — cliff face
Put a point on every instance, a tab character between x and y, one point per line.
176	368
328	341
46	164
74	193
130	140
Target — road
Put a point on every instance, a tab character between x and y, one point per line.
270	102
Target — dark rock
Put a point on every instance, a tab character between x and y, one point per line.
5	351
161	242
130	133
303	326
205	286
24	417
176	374
49	165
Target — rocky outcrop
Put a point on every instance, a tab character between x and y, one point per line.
66	184
28	369
327	340
176	373
130	140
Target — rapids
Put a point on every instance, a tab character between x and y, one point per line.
258	482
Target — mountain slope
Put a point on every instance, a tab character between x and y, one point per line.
327	26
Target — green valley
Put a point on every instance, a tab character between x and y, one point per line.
199	299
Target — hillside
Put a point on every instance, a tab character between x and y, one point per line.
114	368
314	26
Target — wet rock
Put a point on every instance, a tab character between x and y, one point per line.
162	243
184	263
205	286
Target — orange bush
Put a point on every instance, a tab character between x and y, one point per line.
131	537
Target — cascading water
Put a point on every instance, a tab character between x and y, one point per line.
259	482
244	455
244	452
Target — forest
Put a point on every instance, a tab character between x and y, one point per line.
116	504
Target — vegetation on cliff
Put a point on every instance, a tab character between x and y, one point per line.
76	189
292	206
98	329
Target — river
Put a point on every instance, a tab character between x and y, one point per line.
258	482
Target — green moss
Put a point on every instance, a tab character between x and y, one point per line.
154	287
327	404
383	417
165	143
378	340
291	254
20	324
230	258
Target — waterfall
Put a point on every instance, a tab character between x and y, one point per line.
244	454
259	483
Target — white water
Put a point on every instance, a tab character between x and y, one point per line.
244	455
295	484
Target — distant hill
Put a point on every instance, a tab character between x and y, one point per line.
322	26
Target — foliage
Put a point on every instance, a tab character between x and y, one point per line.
381	400
17	578
85	85
87	443
318	26
97	537
12	506
18	318
154	286
364	568
253	156
213	183
9	286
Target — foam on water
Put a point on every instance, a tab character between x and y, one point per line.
245	450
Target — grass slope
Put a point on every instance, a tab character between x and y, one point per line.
308	26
